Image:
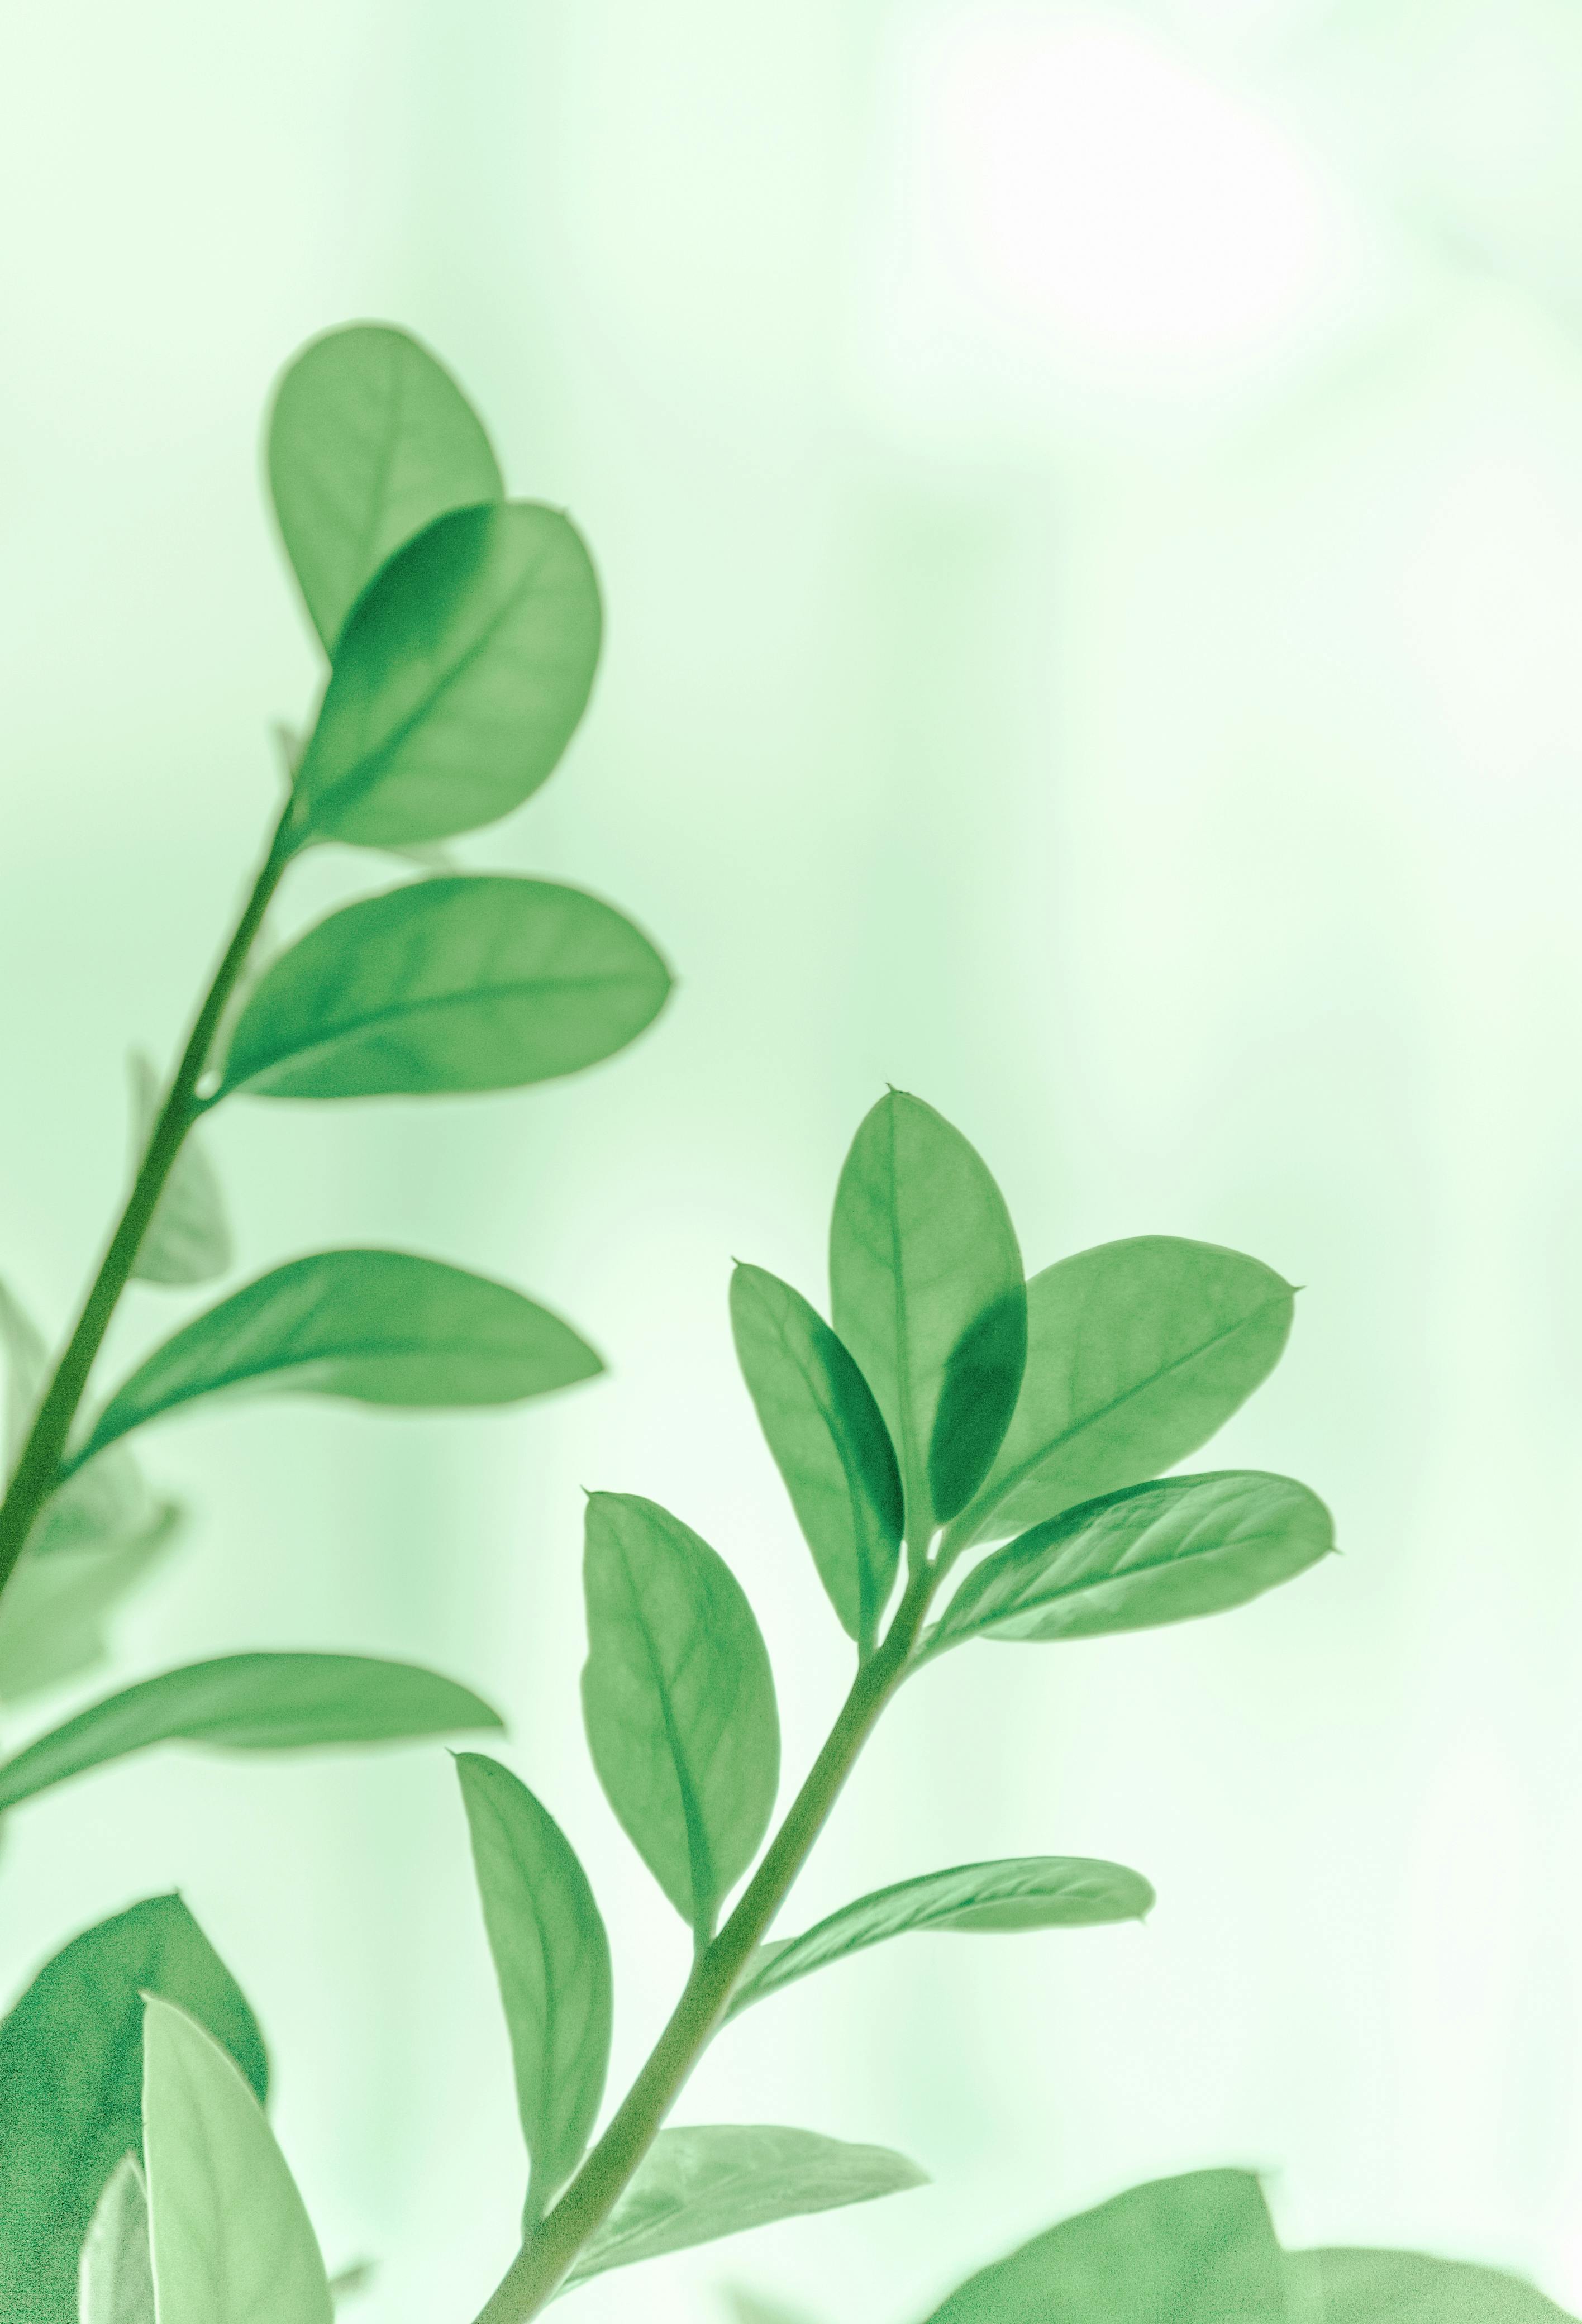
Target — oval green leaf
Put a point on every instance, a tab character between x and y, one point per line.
116	2283
370	439
1010	1895
1137	1353
250	1702
696	2185
829	1444
232	2241
679	1702
1167	1551
187	1240
478	982
70	2086
375	1326
1195	2250
458	681
1390	2287
552	1959
926	1292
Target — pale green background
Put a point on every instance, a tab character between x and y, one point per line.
1090	504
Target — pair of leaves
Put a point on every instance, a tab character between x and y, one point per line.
1200	2249
464	630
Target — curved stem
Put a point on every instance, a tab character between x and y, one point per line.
540	2267
37	1474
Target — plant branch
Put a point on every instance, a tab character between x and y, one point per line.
37	1474
547	2255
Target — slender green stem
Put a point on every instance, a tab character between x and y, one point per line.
38	1469
542	2264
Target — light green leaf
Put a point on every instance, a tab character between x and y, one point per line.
459	678
116	2282
1389	2287
58	1601
679	1702
697	2185
370	439
747	2308
1136	1353
926	1287
829	1444
474	982
1195	2250
108	1505
1161	1553
189	1238
1011	1894
376	1326
232	2241
351	2282
250	1702
551	1957
70	2082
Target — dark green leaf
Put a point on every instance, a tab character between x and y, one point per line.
458	681
231	2241
58	1601
1159	1553
370	439
116	2282
1388	2287
925	1279
250	1702
679	1702
1137	1353
552	1959
468	983
1195	2250
377	1326
1011	1894
829	1442
697	2185
70	2086
188	1240
108	1506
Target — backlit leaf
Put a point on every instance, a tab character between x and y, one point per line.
697	2185
459	678
106	1506
467	984
926	1287
70	2086
58	1602
1389	2287
1010	1895
250	1702
1161	1553
377	1326
679	1702
188	1240
116	2282
370	439
829	1442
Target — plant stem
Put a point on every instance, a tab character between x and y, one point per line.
37	1472
542	2264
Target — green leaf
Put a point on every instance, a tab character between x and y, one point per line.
747	2308
70	2077
551	1957
376	1326
116	2282
829	1444
1195	2250
58	1601
370	439
925	1281
187	1240
476	983
232	2241
459	678
679	1702
1136	1353
1159	1553
1388	2287
697	2185
1011	1894
106	1504
250	1702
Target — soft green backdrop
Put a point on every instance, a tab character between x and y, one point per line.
1090	503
